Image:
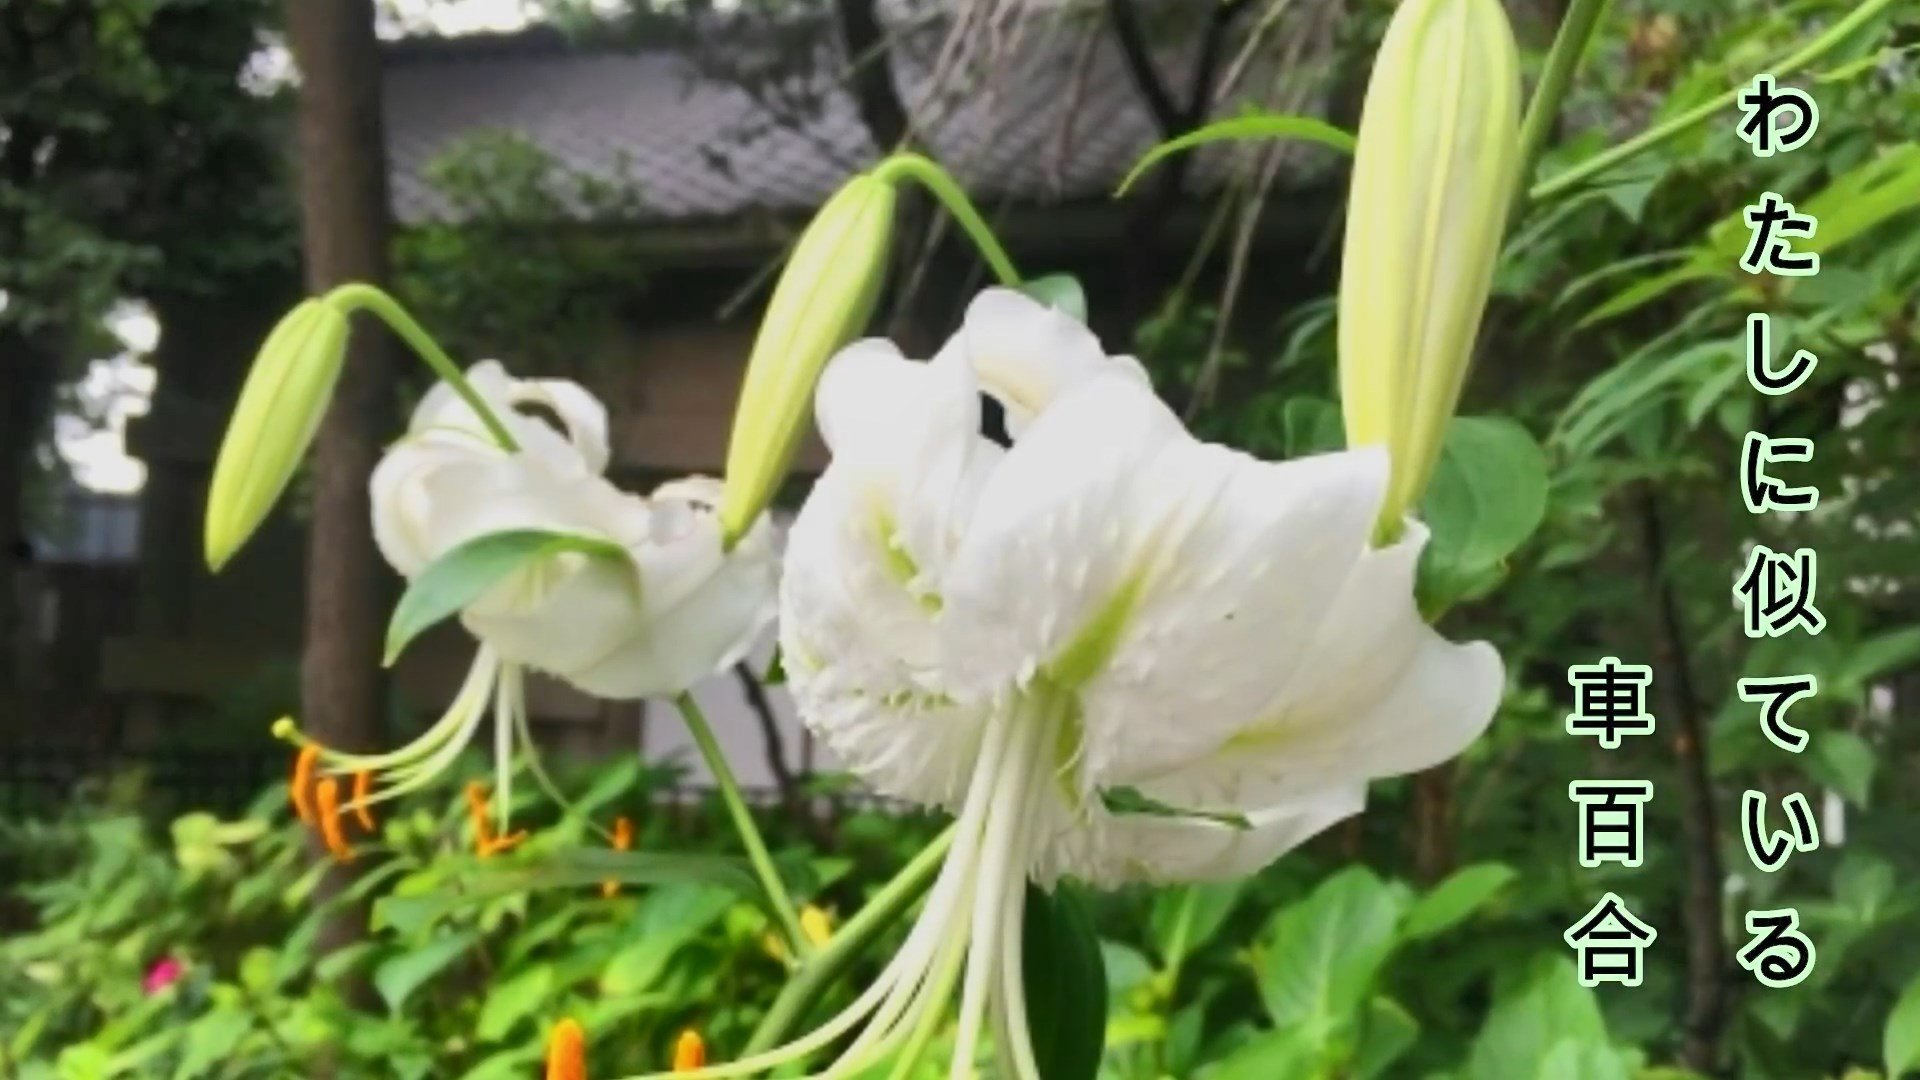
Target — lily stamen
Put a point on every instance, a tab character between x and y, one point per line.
362	810
485	841
327	795
300	787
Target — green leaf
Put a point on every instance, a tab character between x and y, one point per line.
1487	496
578	868
1275	1054
1318	965
1128	800
1454	900
1259	125
1845	762
1877	657
1901	1041
1066	984
1390	1031
398	978
513	1001
1532	1015
1186	918
669	918
464	574
1062	292
1311	426
212	1039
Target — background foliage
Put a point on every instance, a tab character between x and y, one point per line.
1421	940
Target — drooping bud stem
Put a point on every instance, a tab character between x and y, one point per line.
1433	175
822	301
286	393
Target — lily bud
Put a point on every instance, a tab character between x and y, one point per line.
280	407
1433	175
822	300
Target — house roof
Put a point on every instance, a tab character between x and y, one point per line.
709	125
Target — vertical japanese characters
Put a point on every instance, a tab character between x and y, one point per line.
1775	590
1609	705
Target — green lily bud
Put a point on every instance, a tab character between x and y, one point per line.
1433	175
822	300
280	406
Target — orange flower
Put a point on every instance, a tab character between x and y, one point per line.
622	841
327	791
690	1052
301	786
567	1051
362	790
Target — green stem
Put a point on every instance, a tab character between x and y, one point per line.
362	297
723	778
1786	66
935	179
846	945
1569	45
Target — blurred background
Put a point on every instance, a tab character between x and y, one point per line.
602	190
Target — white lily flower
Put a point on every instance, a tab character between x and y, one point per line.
1114	651
696	609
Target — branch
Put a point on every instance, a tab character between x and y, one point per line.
1707	987
870	74
1139	60
775	743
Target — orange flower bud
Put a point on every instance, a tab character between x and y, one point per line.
690	1052
622	841
567	1051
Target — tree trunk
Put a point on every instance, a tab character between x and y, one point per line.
344	233
25	393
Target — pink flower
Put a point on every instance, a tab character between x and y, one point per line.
164	973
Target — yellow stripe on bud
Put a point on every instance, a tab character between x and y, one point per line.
280	406
1433	175
822	300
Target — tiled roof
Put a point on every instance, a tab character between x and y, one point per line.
1053	117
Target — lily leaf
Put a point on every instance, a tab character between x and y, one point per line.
1487	496
465	573
1127	800
1259	125
1066	984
